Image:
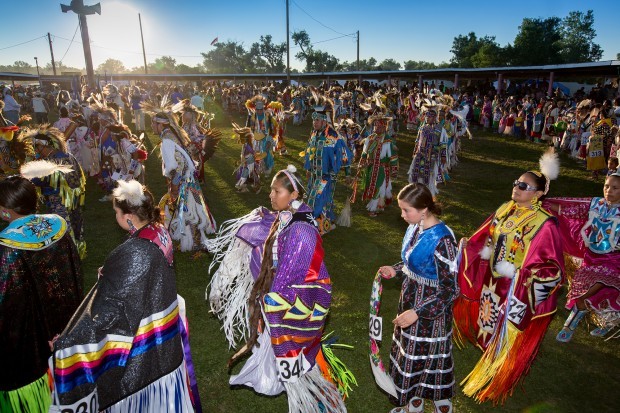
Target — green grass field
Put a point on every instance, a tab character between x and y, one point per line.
581	376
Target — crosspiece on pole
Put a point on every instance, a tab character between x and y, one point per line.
78	7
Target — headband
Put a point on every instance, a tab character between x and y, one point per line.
541	175
289	172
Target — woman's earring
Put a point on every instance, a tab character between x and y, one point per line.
5	215
132	229
295	204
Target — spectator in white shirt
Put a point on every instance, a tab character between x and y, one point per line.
11	107
197	100
40	108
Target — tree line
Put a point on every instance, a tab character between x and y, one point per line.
538	41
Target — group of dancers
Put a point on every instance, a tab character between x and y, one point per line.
125	346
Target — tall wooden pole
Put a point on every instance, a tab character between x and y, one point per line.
358	50
146	71
49	39
288	49
90	72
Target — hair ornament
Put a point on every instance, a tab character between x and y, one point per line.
132	192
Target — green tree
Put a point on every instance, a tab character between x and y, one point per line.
60	68
538	42
316	60
185	69
489	54
266	53
577	43
111	66
22	66
164	64
471	51
463	48
365	65
420	65
227	57
389	64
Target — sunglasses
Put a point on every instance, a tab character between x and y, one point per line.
524	186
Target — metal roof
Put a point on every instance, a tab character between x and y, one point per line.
609	68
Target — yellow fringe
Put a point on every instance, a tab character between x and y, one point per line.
489	364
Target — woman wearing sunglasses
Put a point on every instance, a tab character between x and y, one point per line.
510	272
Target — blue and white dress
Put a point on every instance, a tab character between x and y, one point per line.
421	362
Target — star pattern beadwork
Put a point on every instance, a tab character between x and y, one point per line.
39	227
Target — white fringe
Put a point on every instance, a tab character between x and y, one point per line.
383	380
485	254
167	394
506	269
344	220
313	394
230	287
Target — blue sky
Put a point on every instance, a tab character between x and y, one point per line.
398	29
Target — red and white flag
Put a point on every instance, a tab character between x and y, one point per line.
214	41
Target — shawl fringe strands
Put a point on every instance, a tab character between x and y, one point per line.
332	368
32	398
169	393
312	393
501	367
232	282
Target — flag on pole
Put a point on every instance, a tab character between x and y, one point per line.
214	41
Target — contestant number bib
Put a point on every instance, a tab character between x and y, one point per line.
290	369
595	154
89	404
376	327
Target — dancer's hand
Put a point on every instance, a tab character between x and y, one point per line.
406	319
387	272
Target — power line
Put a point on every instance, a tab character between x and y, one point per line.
128	51
323	41
74	33
324	25
19	44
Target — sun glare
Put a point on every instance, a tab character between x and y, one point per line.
116	33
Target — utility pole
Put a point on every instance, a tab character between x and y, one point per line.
78	7
38	73
288	49
49	39
358	50
146	71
